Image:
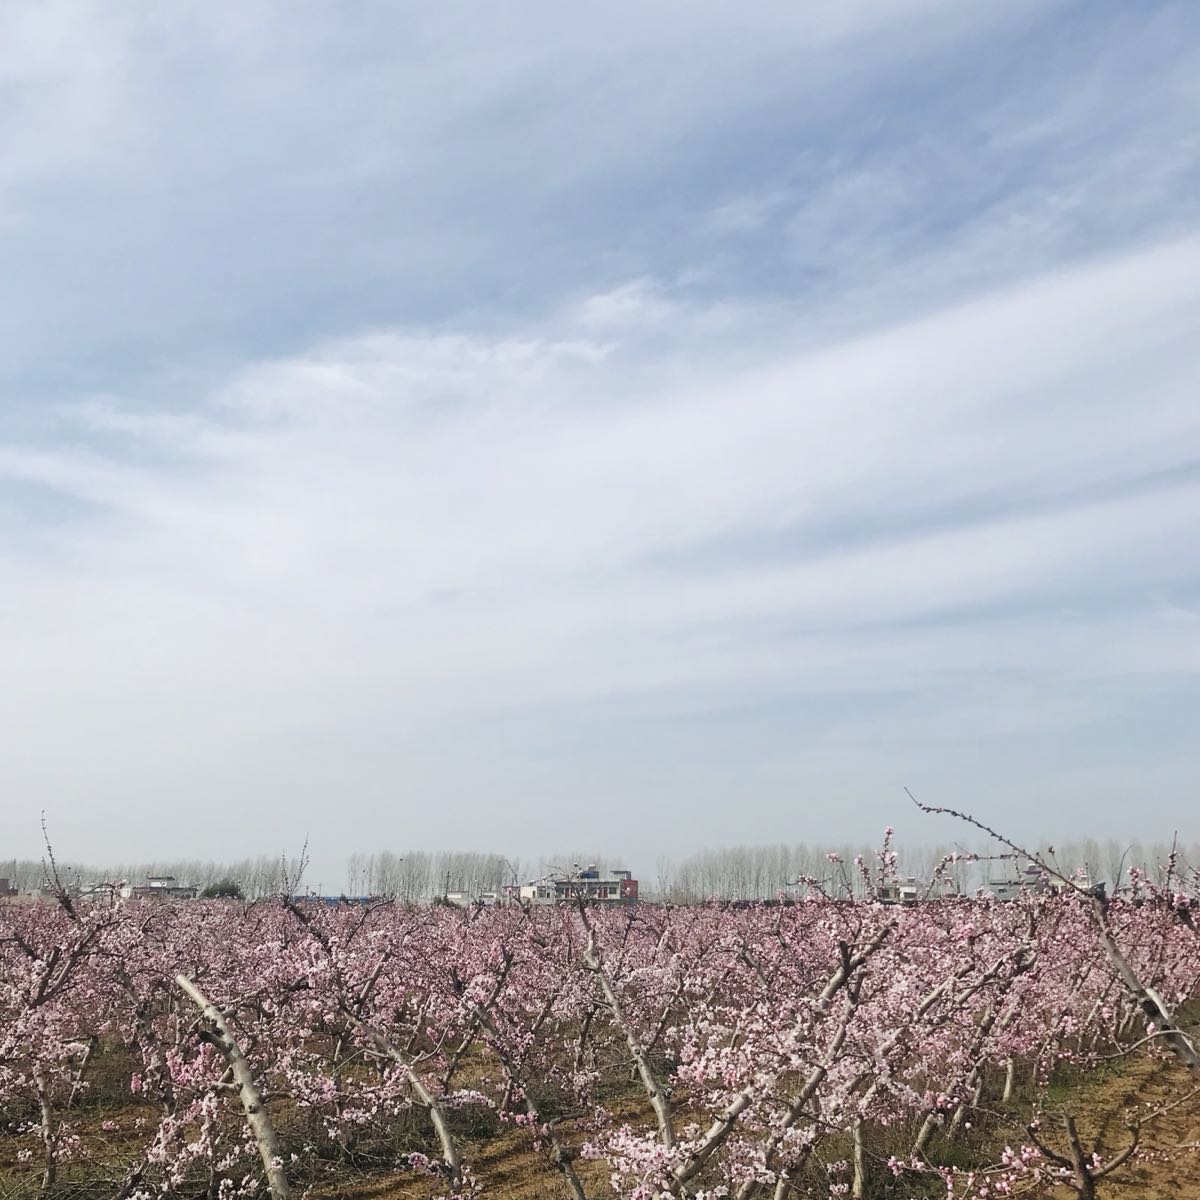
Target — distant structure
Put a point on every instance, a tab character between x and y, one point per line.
157	887
912	891
109	892
616	887
483	899
898	891
1031	881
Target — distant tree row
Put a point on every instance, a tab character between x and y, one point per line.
763	872
728	873
417	875
411	876
255	877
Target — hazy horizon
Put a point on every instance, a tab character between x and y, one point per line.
735	872
643	428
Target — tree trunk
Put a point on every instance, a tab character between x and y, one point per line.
858	1188
49	1148
77	1082
256	1114
1148	1000
450	1154
654	1089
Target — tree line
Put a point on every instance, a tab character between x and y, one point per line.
412	876
764	872
264	875
760	872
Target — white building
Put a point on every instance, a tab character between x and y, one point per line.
467	899
615	887
899	891
157	887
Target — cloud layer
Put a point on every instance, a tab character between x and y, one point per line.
455	523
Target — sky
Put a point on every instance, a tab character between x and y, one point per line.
624	426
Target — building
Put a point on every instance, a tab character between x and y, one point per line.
915	891
467	899
615	887
158	887
105	892
898	891
1033	881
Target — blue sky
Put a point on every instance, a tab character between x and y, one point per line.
634	426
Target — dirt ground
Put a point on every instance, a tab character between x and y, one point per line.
1167	1166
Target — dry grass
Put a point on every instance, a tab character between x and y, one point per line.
510	1167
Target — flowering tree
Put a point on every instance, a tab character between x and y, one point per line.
825	1046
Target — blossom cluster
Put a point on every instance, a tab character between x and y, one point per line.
763	1038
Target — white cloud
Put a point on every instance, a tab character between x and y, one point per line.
682	427
442	532
635	304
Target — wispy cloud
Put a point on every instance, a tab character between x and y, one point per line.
444	531
625	427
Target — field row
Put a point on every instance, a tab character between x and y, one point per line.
820	1048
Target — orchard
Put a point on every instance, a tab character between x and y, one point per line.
815	1047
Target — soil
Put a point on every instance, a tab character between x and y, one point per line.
1167	1165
